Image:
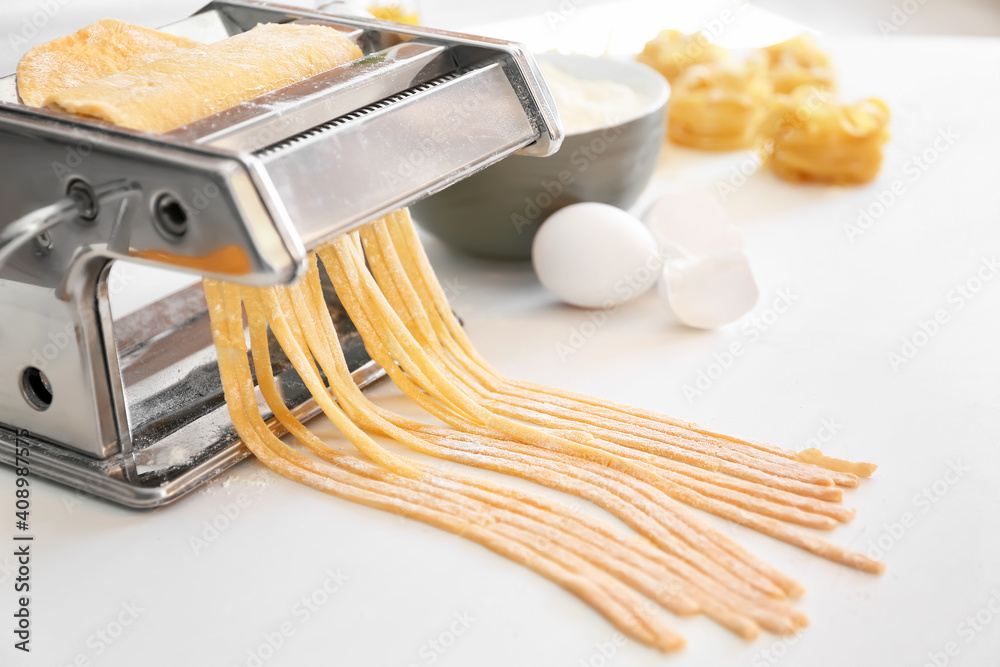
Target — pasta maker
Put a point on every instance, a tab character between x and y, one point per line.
131	409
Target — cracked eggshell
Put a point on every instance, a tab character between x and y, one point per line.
694	220
709	292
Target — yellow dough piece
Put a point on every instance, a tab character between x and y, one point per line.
717	106
798	62
808	136
818	458
176	90
394	12
671	52
99	50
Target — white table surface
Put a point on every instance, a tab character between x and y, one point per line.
412	595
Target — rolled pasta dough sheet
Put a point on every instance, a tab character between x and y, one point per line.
173	91
99	50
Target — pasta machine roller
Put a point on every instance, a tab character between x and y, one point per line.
131	408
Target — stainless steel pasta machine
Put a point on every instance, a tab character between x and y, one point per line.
131	408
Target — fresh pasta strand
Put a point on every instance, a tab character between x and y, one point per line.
542	396
282	301
437	306
348	394
606	595
689	566
368	413
352	272
293	301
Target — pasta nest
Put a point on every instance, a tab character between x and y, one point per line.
718	106
808	136
797	62
672	52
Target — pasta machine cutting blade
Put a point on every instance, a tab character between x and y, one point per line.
131	409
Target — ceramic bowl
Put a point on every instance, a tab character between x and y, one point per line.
496	212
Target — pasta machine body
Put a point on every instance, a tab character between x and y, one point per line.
131	408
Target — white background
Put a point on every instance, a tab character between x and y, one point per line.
825	359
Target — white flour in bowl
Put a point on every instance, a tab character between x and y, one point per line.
590	104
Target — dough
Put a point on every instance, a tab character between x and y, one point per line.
671	52
797	62
717	106
99	50
176	90
810	137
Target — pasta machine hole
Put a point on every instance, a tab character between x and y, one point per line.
36	388
171	218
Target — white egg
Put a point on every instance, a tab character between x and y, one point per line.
595	256
710	291
694	220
